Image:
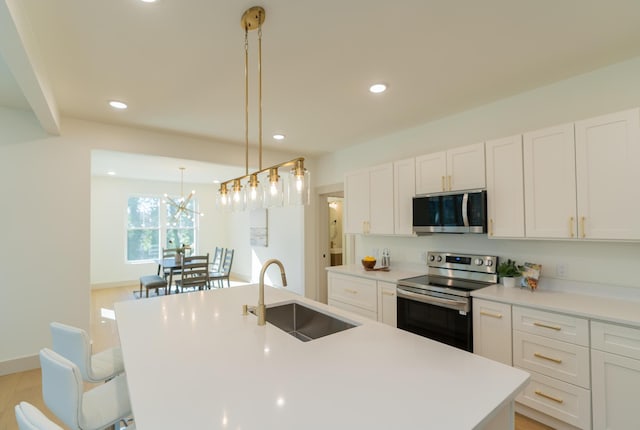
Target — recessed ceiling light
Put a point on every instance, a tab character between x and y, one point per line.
216	181
117	105
378	88
111	173
148	1
278	136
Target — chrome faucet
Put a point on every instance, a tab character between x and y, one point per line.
261	310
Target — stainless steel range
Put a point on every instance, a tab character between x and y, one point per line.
438	305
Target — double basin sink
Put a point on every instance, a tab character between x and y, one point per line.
305	323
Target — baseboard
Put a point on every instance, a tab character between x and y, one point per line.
19	365
134	284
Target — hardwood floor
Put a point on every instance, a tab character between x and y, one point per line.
26	386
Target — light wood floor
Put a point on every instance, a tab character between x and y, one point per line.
26	386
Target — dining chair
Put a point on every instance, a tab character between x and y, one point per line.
31	418
73	343
216	261
63	392
195	272
225	271
166	253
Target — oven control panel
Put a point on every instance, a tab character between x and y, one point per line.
468	262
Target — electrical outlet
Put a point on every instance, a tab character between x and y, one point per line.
562	270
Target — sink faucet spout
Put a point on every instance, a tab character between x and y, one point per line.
261	310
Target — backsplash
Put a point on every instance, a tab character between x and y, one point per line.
610	263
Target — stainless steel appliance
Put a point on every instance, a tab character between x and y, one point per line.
438	305
450	213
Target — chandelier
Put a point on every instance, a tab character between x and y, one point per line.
181	204
294	189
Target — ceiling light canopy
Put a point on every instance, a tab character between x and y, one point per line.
378	88
253	195
117	104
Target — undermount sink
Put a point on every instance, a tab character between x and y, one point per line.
303	322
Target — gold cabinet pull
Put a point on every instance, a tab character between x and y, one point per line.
388	293
350	291
552	327
544	357
582	233
491	314
449	182
547	396
490	226
571	224
443	188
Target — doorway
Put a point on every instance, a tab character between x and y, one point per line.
330	238
335	238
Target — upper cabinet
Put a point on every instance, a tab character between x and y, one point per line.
453	170
368	197
505	199
608	174
550	183
404	188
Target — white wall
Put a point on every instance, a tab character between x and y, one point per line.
610	89
109	197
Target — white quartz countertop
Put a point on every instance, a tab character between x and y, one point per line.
193	361
621	311
393	275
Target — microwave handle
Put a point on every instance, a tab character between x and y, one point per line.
465	212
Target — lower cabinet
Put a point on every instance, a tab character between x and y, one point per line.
615	376
492	330
366	297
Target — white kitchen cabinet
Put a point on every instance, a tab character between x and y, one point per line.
550	183
492	330
404	188
387	303
355	294
615	375
607	157
505	194
368	200
461	168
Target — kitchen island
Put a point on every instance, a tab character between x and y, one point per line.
194	361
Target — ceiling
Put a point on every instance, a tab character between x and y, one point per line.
179	64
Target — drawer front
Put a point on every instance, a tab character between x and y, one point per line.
561	360
558	399
552	325
616	339
492	330
354	291
355	309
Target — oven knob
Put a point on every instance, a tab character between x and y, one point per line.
479	262
432	257
439	258
489	262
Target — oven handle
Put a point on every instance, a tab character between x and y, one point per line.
459	305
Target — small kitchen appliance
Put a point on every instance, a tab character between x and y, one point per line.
438	305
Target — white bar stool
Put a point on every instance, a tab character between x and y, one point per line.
73	344
30	418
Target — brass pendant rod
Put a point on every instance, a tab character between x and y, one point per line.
260	96
246	100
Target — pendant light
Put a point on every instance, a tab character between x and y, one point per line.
181	204
265	187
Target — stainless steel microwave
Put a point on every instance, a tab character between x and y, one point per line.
461	212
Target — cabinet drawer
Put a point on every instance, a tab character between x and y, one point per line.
355	309
552	325
561	360
354	291
558	399
616	339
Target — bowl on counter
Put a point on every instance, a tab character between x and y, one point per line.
368	264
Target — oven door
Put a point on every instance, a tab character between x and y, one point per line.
440	317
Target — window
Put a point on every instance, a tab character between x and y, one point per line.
151	222
143	228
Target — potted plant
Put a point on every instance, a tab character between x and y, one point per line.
508	272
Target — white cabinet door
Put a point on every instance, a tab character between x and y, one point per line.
615	391
404	183
381	199
466	167
431	173
505	195
492	330
550	183
607	172
356	201
387	303
369	200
